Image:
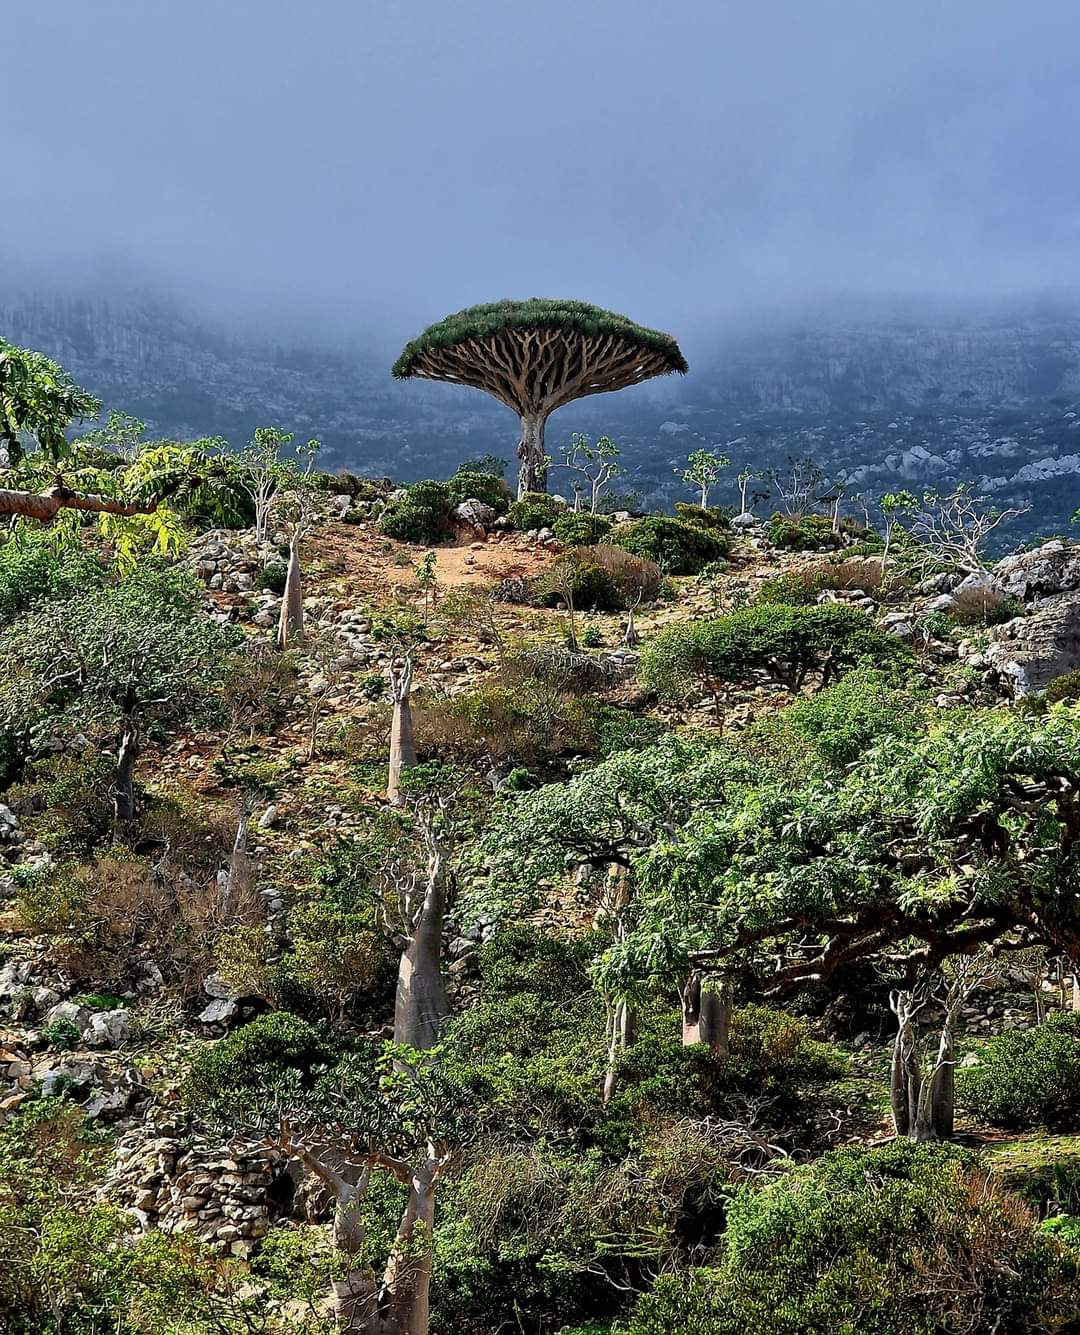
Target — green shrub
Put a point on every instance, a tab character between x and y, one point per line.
786	643
713	516
581	530
486	487
423	516
273	578
904	1240
34	568
1066	687
63	1035
1065	1228
65	800
845	719
802	533
677	548
536	509
1027	1077
253	1057
593	587
797	588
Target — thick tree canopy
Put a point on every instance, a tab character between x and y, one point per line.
536	356
38	399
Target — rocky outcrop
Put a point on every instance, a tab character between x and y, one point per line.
225	1197
1029	652
1041	573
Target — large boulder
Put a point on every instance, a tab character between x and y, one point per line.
1043	572
1029	652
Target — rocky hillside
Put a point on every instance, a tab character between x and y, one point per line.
889	400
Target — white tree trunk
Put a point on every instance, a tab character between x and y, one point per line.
291	619
402	749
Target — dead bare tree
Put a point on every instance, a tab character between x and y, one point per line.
953	529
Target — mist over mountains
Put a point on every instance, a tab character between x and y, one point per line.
892	395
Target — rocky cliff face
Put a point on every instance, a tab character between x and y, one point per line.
992	400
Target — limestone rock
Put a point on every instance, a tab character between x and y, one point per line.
1050	569
1029	652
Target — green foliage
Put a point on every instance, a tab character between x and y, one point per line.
798	588
35	568
677	548
38	399
589	584
703	469
62	1035
710	516
65	800
252	1057
905	1240
787	643
844	720
581	530
1027	1077
273	578
536	509
423	516
481	486
478	322
802	533
1063	688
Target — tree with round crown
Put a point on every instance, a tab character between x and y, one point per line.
536	356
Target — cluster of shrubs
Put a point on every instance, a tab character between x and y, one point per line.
813	533
893	1240
1027	1077
424	514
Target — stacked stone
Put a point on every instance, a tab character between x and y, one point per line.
223	1199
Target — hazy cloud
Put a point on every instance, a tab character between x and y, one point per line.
365	161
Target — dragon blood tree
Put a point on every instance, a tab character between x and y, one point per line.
536	356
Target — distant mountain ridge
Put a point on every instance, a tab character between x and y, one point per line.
892	399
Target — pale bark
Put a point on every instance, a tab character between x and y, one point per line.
239	875
532	474
402	747
706	1015
291	617
622	1030
46	505
124	784
399	1304
420	1003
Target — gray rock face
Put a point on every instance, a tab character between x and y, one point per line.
1050	569
1031	651
474	512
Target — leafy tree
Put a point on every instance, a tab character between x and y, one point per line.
126	657
703	468
788	644
38	400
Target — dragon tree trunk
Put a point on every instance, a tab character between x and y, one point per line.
532	474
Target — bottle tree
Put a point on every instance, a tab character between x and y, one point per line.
536	356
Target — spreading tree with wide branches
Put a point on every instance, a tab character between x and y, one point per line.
536	356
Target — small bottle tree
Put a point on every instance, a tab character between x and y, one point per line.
703	468
597	464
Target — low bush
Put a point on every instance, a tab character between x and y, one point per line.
581	530
65	801
983	606
273	578
576	575
897	1240
253	1057
787	644
712	516
536	509
422	516
677	547
841	722
486	487
34	568
1027	1077
797	588
803	533
1064	688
